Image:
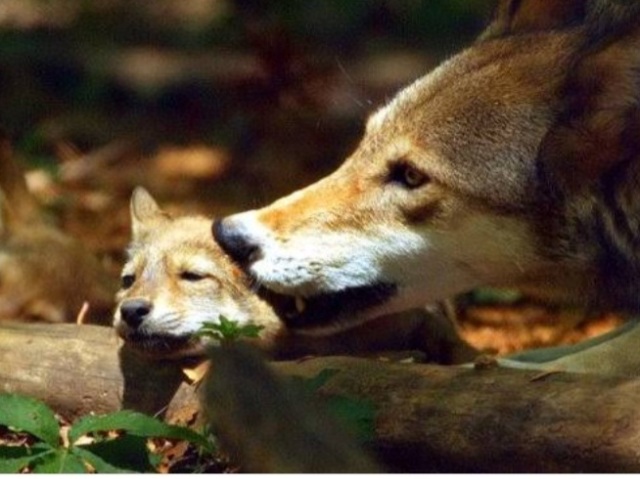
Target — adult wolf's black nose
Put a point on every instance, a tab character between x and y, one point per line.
234	241
134	311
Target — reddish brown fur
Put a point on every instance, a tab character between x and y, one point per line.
519	16
531	142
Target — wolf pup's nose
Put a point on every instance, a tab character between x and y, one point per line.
134	311
234	242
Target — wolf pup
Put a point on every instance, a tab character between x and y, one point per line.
177	278
515	163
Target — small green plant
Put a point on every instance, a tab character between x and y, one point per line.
226	330
358	415
495	296
127	452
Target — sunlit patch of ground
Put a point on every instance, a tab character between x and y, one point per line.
504	329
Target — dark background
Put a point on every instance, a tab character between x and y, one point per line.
282	86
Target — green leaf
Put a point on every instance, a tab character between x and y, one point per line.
14	458
59	461
226	324
312	384
495	296
134	423
251	330
128	453
29	415
356	414
227	330
98	463
209	330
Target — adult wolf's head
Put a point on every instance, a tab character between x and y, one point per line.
486	171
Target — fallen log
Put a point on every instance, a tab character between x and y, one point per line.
448	419
428	418
82	369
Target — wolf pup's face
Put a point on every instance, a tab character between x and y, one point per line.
443	194
176	278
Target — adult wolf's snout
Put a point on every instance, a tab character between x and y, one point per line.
235	240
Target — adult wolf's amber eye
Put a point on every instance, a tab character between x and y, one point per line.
127	281
407	175
414	178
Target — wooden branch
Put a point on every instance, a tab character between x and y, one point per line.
76	369
429	418
446	419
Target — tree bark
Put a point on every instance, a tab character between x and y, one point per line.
428	418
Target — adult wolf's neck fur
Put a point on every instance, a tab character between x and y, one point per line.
589	163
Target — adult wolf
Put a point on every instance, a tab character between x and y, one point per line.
514	163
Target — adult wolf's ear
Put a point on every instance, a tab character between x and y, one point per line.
597	131
601	17
524	16
144	212
611	17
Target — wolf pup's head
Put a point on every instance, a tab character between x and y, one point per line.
176	278
504	166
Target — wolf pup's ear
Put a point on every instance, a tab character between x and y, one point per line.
525	16
144	211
